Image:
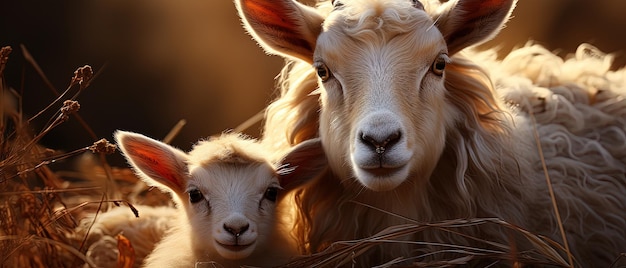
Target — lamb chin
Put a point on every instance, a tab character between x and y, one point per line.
234	252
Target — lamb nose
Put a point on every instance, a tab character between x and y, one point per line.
236	231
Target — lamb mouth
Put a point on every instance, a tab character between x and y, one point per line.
235	247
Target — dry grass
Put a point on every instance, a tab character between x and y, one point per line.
33	228
555	206
543	253
36	219
40	207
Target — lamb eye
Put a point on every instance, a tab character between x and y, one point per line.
439	64
195	196
336	4
322	71
271	193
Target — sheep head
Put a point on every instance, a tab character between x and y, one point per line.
225	185
381	66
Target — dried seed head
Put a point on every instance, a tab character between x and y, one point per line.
4	53
103	146
4	57
82	76
70	107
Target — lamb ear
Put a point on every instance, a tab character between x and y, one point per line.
302	164
156	163
282	27
465	23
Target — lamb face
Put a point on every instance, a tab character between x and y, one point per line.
231	207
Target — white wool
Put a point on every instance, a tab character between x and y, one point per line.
143	231
476	152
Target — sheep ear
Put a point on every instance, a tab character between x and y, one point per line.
156	163
282	27
465	23
302	164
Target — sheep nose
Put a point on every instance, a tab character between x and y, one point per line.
381	143
236	230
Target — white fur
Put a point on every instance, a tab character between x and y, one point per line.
465	144
232	222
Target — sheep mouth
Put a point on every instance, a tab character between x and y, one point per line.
381	172
235	247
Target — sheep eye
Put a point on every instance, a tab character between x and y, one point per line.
439	64
195	196
271	193
322	71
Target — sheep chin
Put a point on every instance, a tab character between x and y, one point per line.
382	179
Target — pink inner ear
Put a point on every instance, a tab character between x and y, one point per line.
471	22
280	25
158	163
490	3
265	12
480	8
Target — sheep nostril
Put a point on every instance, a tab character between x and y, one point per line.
379	145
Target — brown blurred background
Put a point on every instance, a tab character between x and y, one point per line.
191	59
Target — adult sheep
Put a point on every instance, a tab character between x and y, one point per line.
421	128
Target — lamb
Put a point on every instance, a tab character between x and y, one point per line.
423	128
228	195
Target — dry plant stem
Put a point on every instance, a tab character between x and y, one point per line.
82	243
101	147
59	97
69	211
14	158
100	203
17	157
34	229
543	253
48	191
622	256
342	252
250	121
43	76
470	222
174	131
111	187
549	184
4	57
28	57
69	248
